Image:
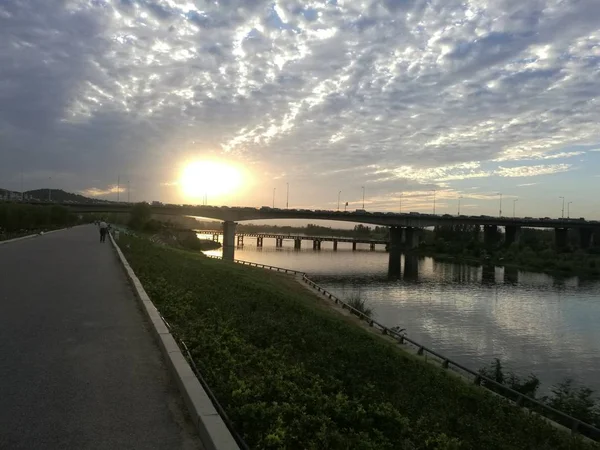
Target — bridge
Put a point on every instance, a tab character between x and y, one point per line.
279	238
404	227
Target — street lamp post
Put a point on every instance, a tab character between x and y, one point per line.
562	213
514	203
569	210
500	211
363	190
274	197
287	196
434	191
339	193
459	204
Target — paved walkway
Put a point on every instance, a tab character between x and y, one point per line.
79	368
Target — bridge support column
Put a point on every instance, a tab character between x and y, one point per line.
316	244
259	241
561	236
353	245
240	240
278	242
585	237
411	238
372	246
297	244
216	237
229	240
512	234
395	247
335	243
490	234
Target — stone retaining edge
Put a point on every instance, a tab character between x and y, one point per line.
30	236
211	428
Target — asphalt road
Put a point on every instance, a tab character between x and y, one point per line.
79	368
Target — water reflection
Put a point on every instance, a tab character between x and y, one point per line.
533	322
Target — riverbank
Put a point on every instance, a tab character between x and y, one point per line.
292	373
556	264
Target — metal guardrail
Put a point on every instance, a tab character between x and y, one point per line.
261	266
575	425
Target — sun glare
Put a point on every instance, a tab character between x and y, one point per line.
211	178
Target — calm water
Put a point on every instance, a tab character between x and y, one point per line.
532	322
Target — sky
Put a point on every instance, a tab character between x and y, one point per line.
493	101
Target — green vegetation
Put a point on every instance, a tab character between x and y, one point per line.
578	402
293	373
535	251
360	304
20	219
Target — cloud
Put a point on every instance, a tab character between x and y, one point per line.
95	192
527	184
532	171
426	92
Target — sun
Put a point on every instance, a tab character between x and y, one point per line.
210	178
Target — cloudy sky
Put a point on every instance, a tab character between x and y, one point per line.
469	98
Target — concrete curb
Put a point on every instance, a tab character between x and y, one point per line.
29	236
213	432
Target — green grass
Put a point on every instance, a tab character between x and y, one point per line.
292	373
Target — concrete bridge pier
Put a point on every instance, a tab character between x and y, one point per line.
240	240
395	247
229	240
512	234
490	234
216	237
353	245
411	238
585	237
259	241
297	244
335	243
316	244
278	242
372	246
561	236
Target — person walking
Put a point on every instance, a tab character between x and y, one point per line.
103	229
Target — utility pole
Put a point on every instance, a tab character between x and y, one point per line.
569	210
562	214
434	191
500	212
274	197
287	196
363	189
514	203
339	193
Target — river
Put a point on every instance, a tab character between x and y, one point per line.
534	323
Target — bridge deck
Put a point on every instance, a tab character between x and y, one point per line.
78	365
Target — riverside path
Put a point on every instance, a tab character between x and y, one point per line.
79	368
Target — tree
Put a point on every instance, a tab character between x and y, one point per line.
140	215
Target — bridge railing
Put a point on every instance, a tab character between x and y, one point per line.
522	400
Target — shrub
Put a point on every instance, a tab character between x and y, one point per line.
360	304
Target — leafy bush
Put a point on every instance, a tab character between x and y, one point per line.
292	373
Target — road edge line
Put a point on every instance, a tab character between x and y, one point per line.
213	432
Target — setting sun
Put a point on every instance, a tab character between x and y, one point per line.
210	178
